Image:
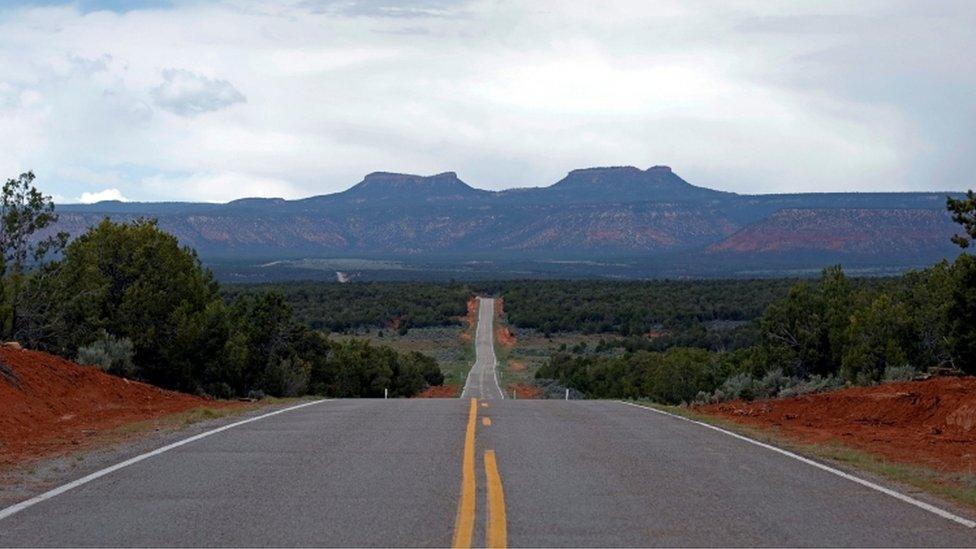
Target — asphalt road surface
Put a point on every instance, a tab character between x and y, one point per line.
482	379
474	471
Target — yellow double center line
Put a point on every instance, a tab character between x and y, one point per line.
464	525
497	526
496	535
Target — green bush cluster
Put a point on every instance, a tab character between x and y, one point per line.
128	298
831	328
820	335
673	376
109	353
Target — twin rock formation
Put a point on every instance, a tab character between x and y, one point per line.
593	213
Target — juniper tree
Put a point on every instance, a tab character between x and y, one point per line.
964	212
25	214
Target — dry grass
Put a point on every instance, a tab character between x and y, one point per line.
181	419
193	416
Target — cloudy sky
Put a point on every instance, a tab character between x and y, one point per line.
215	100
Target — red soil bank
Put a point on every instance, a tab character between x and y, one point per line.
50	405
930	423
505	337
470	319
523	391
440	391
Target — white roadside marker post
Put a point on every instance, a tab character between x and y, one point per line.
567	394
386	393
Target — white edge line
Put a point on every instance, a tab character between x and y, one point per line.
497	386
13	509
494	357
897	495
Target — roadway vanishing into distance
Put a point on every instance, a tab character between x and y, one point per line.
482	381
475	471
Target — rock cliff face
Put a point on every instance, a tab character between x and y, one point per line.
849	230
591	213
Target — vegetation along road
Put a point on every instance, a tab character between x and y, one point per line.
477	471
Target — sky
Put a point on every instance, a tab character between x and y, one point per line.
216	100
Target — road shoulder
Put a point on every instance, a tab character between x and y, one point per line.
29	479
952	492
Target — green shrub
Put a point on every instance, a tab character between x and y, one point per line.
813	384
905	372
109	353
962	314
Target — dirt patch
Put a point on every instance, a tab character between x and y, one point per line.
930	423
472	317
440	391
54	406
505	337
516	366
524	391
469	320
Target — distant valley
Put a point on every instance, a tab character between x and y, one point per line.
621	222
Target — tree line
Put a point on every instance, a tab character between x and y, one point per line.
400	306
635	308
128	298
685	310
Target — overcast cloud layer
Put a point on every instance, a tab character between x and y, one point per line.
174	100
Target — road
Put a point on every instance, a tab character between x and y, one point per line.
474	471
482	381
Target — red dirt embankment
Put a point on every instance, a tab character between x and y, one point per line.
470	319
49	405
524	392
930	423
440	391
504	336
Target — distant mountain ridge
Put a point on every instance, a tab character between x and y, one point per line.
592	213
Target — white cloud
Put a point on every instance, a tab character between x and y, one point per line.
101	196
754	97
188	94
218	187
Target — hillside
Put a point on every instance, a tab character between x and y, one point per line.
930	423
52	405
614	213
853	231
